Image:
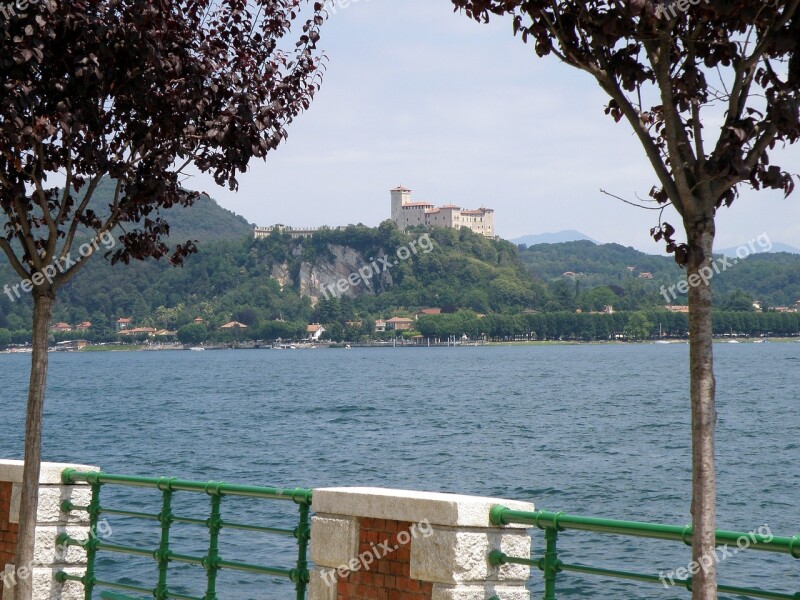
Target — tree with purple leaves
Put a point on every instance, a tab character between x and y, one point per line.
710	89
136	91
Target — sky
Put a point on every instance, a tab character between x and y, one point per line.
464	113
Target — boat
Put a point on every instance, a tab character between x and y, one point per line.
197	349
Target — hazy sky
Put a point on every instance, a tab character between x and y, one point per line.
465	113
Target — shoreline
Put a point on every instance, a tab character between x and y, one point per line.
138	348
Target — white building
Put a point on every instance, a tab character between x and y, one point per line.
295	232
406	213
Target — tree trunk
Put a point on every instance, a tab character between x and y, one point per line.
42	310
700	235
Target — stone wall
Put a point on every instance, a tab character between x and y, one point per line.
50	522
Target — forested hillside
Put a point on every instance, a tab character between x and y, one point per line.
773	278
276	286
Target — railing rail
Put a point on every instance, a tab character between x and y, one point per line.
212	562
554	522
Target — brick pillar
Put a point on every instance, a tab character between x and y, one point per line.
379	544
50	522
8	530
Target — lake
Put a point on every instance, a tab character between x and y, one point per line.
600	430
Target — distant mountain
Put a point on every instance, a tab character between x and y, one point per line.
776	247
569	235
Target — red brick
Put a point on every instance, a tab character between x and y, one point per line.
408	585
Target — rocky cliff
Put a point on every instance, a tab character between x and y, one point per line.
317	278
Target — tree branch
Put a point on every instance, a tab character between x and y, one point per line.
26	237
12	258
678	144
62	213
74	225
612	88
659	207
52	229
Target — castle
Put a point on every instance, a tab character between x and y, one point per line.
406	213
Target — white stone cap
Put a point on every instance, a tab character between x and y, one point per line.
448	510
11	471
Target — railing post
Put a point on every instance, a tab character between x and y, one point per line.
212	560
550	563
91	546
303	536
165	519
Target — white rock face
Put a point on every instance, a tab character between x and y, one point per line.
312	278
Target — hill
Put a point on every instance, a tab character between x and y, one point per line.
205	221
256	281
773	278
348	279
776	247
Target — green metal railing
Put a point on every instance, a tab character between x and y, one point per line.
553	523
212	562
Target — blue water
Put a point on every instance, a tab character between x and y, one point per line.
600	430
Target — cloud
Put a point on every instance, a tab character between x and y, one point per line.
465	113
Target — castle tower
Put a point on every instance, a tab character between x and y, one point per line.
400	196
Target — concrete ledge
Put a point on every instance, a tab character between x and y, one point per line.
463	592
453	556
334	540
318	589
451	510
11	471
